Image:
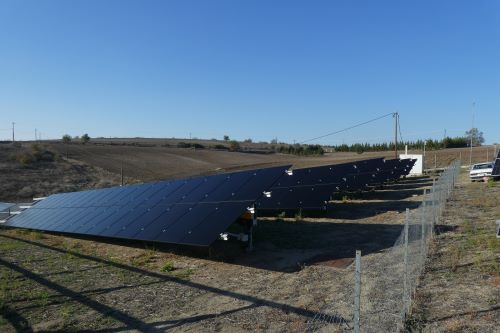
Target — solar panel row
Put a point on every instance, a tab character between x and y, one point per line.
188	211
311	188
496	166
196	211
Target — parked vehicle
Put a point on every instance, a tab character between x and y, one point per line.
481	170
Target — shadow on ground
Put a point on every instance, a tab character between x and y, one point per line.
129	321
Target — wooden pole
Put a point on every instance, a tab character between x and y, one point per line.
396	116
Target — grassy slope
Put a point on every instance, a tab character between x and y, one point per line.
21	182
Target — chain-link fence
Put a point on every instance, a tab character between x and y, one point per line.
382	285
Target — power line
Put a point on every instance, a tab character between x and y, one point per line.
348	128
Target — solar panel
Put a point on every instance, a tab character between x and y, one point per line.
187	211
388	170
496	166
4	206
311	188
305	188
367	172
407	166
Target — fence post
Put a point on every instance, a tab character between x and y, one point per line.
422	240
357	292
433	208
405	277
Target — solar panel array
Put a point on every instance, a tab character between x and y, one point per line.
311	188
196	211
496	166
188	211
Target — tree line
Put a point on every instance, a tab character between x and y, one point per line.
448	142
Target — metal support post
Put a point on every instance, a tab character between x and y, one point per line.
357	292
406	297
422	240
253	223
433	208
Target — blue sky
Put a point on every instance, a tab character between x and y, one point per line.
249	69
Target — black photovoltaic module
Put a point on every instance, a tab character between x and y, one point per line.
310	188
188	211
196	211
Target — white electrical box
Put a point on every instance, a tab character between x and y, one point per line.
418	168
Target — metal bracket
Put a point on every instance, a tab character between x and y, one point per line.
241	237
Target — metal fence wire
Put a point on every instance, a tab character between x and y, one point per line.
381	287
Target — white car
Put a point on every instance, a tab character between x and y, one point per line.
481	170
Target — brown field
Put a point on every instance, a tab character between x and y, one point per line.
99	164
151	160
55	283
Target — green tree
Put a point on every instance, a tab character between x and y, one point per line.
66	138
226	137
476	136
85	138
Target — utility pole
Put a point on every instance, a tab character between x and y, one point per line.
13	137
396	117
36	135
470	155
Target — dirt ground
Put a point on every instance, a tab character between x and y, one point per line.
460	290
299	265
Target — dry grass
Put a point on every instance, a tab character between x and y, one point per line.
460	291
20	182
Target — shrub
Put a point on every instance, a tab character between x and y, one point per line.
197	146
168	267
25	158
219	146
66	138
234	145
85	138
190	145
